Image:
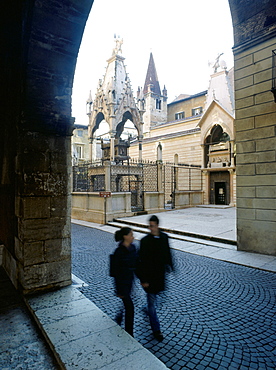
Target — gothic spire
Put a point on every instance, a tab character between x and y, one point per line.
151	78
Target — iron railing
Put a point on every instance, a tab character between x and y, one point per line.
138	177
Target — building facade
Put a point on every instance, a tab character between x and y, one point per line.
80	145
197	130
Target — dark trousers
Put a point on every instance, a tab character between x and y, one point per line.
129	314
154	322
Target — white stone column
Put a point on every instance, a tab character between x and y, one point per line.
231	185
140	152
112	148
206	186
107	176
202	156
232	164
93	150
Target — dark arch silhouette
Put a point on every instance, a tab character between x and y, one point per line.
120	127
99	119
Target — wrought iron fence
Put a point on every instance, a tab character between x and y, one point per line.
180	177
189	178
80	178
137	177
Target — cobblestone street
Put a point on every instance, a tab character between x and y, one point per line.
214	314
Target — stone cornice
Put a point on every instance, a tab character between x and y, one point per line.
264	36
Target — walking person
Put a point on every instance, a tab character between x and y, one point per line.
153	261
122	267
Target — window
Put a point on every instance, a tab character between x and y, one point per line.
80	133
179	115
158	104
79	150
197	111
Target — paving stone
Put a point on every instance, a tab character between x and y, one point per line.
21	344
220	311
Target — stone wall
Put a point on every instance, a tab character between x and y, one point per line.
187	147
186	106
40	43
256	148
89	206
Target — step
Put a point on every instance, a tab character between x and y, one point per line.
180	232
143	229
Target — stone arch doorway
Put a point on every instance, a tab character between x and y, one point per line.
220	188
41	43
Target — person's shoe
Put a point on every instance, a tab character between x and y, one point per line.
158	335
119	319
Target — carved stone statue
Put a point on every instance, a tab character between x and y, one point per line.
118	46
216	64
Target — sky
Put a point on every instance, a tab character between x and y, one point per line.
184	36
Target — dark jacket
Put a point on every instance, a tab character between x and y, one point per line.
153	259
124	261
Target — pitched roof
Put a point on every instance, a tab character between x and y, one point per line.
187	97
151	78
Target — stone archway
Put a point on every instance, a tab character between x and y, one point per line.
40	43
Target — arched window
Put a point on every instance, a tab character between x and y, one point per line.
217	148
217	135
158	104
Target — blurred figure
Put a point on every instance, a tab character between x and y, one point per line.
122	267
154	258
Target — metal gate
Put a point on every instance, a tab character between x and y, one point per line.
137	194
168	181
129	178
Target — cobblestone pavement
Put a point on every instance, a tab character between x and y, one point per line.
214	315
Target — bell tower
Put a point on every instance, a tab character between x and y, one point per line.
155	102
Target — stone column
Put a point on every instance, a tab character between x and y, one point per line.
42	255
112	148
202	155
159	178
140	140
232	164
107	176
91	149
231	172
206	186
